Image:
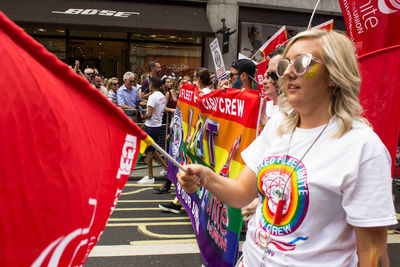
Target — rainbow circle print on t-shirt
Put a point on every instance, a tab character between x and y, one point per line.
272	182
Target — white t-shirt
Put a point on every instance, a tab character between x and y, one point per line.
340	183
271	109
205	90
157	102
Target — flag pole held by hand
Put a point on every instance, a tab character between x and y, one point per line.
169	157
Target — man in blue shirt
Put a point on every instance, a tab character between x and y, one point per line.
127	94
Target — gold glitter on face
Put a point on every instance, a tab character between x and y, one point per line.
311	73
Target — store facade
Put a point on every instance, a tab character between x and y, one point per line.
117	36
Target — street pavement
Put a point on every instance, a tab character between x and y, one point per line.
140	234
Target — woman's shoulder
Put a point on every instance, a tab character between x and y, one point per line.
363	135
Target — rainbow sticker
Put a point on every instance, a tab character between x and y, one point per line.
272	182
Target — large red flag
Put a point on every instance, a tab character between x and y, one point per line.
372	25
66	154
380	94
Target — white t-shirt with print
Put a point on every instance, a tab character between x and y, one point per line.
340	183
157	102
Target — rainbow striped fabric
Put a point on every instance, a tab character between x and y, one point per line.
213	130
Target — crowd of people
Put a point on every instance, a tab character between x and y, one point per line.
313	121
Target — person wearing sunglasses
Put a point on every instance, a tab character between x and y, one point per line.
322	175
128	95
271	88
89	74
112	87
242	74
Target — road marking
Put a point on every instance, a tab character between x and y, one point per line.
145	249
147	219
142	185
393	238
143	229
135	192
171	241
122	209
150	223
142	201
398	216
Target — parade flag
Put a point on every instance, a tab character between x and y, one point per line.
380	94
372	25
213	130
66	154
327	25
261	69
278	38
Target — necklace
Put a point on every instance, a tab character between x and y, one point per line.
279	207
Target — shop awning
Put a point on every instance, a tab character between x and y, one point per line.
120	15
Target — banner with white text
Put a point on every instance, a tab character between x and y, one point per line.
213	130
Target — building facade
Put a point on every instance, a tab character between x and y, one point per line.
119	35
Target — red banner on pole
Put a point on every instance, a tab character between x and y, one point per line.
278	38
380	94
66	154
373	24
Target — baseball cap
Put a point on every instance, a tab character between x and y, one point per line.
247	66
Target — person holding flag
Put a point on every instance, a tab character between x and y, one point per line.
242	74
321	173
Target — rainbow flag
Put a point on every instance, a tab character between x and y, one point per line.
213	130
66	154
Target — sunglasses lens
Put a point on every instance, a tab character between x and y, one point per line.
301	64
282	66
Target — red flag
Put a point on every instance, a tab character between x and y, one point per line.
380	95
261	69
278	38
372	25
65	157
327	25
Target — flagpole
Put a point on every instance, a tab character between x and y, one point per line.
169	157
312	15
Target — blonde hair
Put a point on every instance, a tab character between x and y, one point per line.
111	80
339	58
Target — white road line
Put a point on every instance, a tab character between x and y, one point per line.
143	229
122	209
147	219
148	224
145	249
142	201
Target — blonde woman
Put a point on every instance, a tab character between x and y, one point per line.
322	175
112	87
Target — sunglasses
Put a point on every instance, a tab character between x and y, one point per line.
272	75
300	64
233	74
133	81
90	73
114	83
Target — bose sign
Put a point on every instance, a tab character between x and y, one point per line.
92	12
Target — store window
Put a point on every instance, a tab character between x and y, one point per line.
254	35
174	58
54	45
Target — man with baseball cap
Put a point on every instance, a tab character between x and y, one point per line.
242	74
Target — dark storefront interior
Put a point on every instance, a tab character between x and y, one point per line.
117	36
